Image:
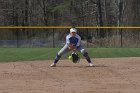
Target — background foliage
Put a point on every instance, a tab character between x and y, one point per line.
71	13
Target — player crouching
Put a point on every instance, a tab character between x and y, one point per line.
73	41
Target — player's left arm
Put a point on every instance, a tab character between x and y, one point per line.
79	42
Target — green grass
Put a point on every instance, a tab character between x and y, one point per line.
24	54
114	52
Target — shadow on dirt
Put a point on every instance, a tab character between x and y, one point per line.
82	66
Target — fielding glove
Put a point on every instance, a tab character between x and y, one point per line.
75	57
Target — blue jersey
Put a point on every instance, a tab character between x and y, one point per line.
76	41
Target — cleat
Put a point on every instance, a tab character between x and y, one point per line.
91	65
53	65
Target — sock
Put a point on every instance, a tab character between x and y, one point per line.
87	57
57	58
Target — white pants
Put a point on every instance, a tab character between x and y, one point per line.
65	49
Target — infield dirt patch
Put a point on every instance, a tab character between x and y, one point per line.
110	75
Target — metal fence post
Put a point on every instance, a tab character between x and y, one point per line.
53	39
121	39
87	37
17	34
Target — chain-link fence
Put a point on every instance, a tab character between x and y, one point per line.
56	37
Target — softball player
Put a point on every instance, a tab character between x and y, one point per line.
73	41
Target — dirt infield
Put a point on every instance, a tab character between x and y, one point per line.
110	75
